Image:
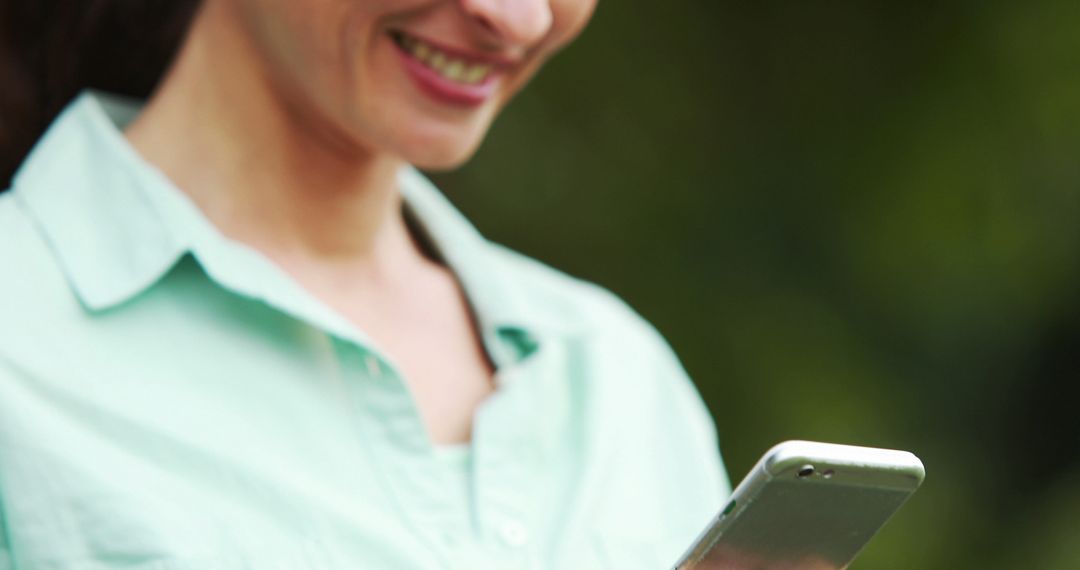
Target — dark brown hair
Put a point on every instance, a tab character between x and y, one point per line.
50	50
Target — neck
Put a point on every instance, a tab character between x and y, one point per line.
262	172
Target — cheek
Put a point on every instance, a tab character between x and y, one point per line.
312	48
569	18
292	35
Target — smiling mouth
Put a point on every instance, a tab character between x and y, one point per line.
448	66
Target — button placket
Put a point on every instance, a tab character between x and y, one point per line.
505	468
393	430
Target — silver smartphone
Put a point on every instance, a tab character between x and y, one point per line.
806	506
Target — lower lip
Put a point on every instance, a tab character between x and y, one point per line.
444	90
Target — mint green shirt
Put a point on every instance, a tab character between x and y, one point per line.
172	400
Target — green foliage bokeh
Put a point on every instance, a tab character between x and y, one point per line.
854	221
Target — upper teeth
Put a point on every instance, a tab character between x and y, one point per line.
445	64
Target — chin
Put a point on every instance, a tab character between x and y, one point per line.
440	154
440	162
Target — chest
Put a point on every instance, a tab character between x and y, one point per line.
160	441
422	334
433	350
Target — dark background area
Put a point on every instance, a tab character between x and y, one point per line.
855	221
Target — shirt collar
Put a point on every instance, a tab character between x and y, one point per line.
117	225
85	188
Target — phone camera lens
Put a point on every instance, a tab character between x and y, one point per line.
805	471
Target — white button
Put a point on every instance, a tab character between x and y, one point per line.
372	364
514	534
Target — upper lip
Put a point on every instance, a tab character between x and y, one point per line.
497	61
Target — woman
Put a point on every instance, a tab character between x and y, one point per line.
238	330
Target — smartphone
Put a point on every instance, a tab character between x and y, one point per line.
806	506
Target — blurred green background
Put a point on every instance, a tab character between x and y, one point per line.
855	221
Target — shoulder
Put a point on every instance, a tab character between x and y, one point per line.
22	249
33	289
640	389
624	351
570	304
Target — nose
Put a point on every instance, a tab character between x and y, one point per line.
514	22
